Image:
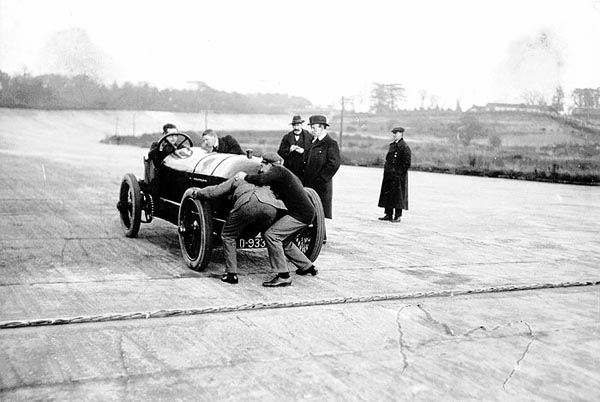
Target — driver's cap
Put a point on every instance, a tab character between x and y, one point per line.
271	157
169	128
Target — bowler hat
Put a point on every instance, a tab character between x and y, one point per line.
297	120
271	157
397	130
318	119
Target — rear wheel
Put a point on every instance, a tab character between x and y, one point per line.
130	205
310	240
195	232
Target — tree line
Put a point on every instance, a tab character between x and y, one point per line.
54	91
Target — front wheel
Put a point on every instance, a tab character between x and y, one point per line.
310	240
195	231
130	205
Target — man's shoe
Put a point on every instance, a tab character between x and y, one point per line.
396	219
278	281
230	277
312	270
385	218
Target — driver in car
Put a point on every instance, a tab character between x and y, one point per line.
157	155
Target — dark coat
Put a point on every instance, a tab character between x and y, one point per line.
322	162
242	193
289	189
291	159
229	145
394	187
157	155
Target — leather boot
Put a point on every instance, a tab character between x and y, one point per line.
230	277
278	281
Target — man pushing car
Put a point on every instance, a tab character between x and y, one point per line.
253	205
301	212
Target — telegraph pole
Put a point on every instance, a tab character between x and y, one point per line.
342	123
201	87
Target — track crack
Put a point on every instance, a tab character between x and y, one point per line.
403	345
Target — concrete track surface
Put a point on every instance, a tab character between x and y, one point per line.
487	290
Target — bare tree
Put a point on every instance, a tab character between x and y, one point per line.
433	102
423	95
458	108
558	99
386	97
586	97
533	98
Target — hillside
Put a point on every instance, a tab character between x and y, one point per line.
544	128
524	146
501	144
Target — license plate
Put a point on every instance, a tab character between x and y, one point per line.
253	242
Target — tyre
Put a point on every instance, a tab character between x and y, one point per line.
310	240
195	232
130	205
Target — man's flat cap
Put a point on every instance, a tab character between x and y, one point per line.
397	130
271	157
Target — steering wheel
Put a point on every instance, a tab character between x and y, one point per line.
181	139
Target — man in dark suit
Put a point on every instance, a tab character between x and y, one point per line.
322	162
294	147
224	145
394	187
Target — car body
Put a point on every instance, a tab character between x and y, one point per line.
168	192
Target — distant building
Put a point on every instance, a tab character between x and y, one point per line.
586	113
512	107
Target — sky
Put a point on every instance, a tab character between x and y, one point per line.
442	52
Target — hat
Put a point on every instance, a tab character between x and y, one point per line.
271	157
318	119
168	126
397	130
297	120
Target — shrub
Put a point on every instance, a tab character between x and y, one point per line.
495	141
472	160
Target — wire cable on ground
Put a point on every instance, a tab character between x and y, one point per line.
274	305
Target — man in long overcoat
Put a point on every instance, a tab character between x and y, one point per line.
322	163
294	147
394	187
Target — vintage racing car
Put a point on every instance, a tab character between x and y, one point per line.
166	192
